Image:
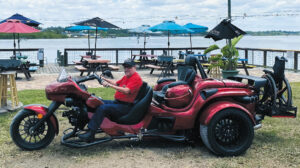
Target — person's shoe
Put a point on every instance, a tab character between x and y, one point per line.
89	136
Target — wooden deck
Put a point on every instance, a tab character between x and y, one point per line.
53	68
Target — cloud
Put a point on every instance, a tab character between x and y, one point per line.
133	13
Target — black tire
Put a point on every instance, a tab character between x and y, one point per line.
19	131
229	133
284	94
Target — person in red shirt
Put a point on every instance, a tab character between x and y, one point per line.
126	88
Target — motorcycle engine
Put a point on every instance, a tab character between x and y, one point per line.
78	117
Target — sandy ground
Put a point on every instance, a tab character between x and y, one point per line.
39	81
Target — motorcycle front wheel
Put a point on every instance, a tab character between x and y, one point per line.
21	135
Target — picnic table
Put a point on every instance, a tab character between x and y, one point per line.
163	63
91	65
144	59
16	65
85	56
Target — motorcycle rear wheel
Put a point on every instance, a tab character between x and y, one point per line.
20	134
229	133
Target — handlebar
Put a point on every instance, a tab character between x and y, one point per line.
90	77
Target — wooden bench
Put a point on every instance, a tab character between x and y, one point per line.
81	69
154	66
113	67
77	62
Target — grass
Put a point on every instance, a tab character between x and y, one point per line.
276	144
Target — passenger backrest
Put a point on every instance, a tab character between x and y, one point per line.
279	68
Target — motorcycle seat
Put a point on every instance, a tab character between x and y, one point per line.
140	107
256	82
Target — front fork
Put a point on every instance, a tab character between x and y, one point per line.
46	114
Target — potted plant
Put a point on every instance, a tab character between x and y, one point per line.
229	57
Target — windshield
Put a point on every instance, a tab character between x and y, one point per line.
63	76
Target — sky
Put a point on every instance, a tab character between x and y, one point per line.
249	15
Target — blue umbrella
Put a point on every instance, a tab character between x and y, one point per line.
196	29
170	27
142	29
23	20
88	28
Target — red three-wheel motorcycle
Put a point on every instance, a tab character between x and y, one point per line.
223	113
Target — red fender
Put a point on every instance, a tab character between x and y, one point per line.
41	109
212	109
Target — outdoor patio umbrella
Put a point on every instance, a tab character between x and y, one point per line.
170	27
88	28
196	29
23	20
225	30
142	30
15	26
97	22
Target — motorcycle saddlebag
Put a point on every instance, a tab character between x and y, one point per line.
178	96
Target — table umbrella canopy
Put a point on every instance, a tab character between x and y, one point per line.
196	29
80	28
23	19
141	29
224	30
170	27
15	26
97	22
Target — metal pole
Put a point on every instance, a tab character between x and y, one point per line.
229	18
89	41
229	10
95	43
168	42
191	41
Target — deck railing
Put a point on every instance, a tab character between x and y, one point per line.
31	53
255	56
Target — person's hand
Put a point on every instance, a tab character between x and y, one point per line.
105	84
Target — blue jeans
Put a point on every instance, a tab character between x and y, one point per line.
111	109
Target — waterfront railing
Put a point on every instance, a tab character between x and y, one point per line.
255	56
34	55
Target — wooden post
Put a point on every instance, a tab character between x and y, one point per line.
295	60
265	58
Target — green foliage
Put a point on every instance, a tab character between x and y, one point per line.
215	61
211	48
229	52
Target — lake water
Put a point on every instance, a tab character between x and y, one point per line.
52	45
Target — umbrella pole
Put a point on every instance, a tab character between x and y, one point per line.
191	41
168	42
144	42
19	42
14	44
89	41
96	41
